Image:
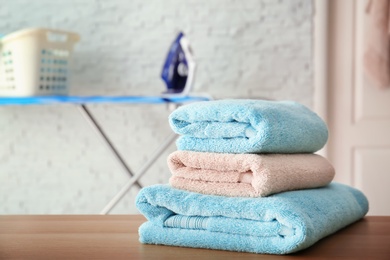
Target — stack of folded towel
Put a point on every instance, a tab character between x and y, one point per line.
245	178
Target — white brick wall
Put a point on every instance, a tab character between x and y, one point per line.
51	161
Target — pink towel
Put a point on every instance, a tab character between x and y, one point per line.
247	175
377	53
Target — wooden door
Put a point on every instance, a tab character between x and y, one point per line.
358	112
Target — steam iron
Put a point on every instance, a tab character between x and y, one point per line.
179	68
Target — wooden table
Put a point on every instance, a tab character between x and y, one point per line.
115	237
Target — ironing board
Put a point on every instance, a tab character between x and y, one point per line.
82	101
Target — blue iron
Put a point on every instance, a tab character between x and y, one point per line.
179	68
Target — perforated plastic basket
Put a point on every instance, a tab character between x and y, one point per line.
36	62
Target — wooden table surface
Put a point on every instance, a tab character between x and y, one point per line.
115	237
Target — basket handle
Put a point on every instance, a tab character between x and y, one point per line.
51	35
61	36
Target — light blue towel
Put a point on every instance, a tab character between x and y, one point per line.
248	126
279	224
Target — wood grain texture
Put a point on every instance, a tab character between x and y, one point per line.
116	237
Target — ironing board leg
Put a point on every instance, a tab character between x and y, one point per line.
99	131
139	174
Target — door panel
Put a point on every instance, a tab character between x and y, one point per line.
372	176
370	103
358	113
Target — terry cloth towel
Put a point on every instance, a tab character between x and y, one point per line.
282	223
377	45
248	126
247	175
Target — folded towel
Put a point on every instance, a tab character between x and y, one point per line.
248	126
279	224
247	175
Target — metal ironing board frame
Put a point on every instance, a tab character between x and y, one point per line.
97	128
134	177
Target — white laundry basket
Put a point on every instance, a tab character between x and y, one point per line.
36	62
